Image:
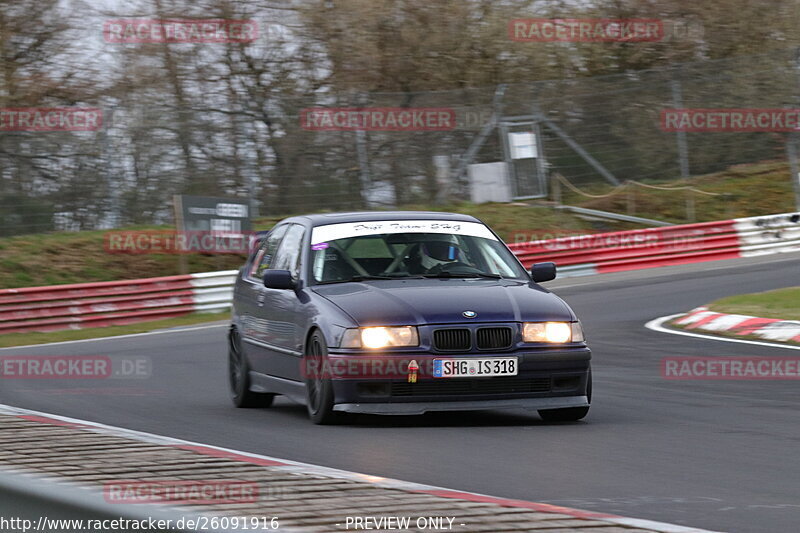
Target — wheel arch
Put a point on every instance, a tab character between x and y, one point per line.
311	330
331	333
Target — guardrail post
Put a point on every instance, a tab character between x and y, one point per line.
690	208
631	201
555	186
677	103
728	199
794	168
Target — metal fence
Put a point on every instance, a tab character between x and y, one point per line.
589	130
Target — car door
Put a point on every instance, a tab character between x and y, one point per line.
252	298
283	310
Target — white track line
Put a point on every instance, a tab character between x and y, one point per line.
661	527
157	332
656	325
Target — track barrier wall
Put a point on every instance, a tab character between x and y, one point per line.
125	302
113	303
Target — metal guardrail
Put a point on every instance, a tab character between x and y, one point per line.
606	215
113	302
672	245
769	234
641	248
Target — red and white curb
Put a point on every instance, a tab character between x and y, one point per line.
305	468
772	329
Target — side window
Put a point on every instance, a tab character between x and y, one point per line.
266	253
288	255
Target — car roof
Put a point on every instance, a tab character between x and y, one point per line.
323	219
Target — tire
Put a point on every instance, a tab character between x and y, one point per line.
319	391
569	414
239	376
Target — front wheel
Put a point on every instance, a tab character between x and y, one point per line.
239	376
319	391
569	414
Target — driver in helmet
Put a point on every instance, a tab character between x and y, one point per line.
434	253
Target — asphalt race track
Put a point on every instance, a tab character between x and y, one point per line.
718	455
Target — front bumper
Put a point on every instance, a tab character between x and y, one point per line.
547	379
418	408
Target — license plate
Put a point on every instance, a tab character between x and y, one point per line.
475	368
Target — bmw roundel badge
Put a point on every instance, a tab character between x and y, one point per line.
469	314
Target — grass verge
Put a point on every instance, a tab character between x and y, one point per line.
24	339
781	303
59	258
763	188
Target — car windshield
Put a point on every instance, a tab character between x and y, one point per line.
379	251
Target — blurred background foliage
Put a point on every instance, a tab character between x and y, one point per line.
222	119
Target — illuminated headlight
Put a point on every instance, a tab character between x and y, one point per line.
380	337
552	332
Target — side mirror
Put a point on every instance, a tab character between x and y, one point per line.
543	272
279	279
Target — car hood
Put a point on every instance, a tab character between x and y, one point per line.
442	301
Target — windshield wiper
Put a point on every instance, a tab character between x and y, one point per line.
463	275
